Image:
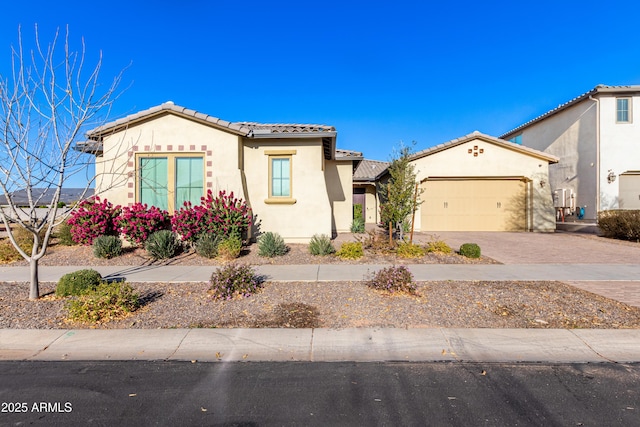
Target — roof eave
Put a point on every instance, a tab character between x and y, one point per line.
291	135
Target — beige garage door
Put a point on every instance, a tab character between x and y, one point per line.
473	205
630	190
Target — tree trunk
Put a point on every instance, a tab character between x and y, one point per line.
34	290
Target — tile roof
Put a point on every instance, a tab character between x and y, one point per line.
478	135
369	170
160	109
242	128
596	90
258	128
342	153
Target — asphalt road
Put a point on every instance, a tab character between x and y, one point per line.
360	394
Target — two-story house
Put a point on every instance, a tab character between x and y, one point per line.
596	136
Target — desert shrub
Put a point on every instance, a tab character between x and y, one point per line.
393	279
271	244
230	247
7	252
357	211
207	245
377	242
138	222
620	224
357	225
78	282
107	247
439	246
410	250
162	244
321	245
234	280
224	215
351	250
108	301
93	218
64	235
24	239
470	250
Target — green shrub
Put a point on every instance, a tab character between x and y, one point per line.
162	244
234	280
64	234
393	279
409	250
108	301
470	250
271	245
230	247
620	224
439	246
207	245
357	226
321	245
107	247
357	211
351	250
78	282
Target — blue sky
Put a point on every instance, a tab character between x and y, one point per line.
380	72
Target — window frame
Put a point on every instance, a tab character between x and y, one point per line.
279	155
171	175
628	109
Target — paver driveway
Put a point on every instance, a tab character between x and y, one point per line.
543	248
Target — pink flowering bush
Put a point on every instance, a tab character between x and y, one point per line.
139	221
92	218
223	215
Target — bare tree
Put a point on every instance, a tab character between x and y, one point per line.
46	104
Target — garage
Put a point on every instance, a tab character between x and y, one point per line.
481	183
629	190
472	204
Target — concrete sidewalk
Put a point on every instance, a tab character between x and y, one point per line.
324	345
351	272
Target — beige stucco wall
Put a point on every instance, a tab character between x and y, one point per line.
495	161
115	169
338	178
311	213
571	136
322	190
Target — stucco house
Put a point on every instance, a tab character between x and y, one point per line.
289	174
482	183
595	136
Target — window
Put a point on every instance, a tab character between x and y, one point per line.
517	139
623	110
168	180
280	179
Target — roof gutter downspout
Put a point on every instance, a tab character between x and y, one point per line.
597	101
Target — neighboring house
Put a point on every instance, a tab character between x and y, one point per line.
366	177
289	174
482	183
596	137
43	196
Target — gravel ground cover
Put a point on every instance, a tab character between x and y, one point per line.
323	304
341	305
